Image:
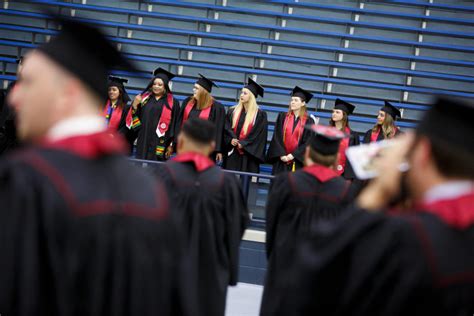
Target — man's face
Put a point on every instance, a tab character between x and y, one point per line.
34	96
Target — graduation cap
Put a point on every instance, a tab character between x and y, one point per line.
344	106
303	94
200	130
390	109
206	83
163	74
255	88
450	121
325	139
119	83
85	52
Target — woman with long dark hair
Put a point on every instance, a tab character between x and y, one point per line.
153	115
286	151
340	120
385	128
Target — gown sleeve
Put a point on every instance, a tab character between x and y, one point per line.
219	122
277	147
279	194
298	153
237	218
228	131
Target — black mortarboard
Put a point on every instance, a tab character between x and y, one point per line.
19	60
450	121
390	109
255	88
200	130
119	83
85	52
344	106
325	139
163	74
303	94
206	83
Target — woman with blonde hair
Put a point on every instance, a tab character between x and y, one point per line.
203	105
340	120
245	131
385	128
290	137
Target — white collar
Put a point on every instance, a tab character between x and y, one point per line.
75	126
448	190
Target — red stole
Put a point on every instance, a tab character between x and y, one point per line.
204	114
200	161
341	164
165	118
291	137
456	212
242	134
320	172
91	145
113	115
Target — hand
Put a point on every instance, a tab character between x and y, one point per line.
240	145
234	142
284	158
386	186
168	152
290	157
137	101
219	158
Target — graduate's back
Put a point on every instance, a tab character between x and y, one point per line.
79	238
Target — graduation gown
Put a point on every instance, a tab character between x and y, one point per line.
348	172
375	264
254	144
368	136
72	248
8	139
277	145
210	206
296	202
216	115
148	142
122	128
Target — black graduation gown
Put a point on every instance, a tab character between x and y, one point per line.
296	202
216	115
211	208
8	139
78	238
149	116
277	147
254	144
348	171
129	134
373	264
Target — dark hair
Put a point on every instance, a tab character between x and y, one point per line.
325	160
451	161
121	99
345	121
199	130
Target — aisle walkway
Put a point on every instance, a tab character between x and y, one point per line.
244	300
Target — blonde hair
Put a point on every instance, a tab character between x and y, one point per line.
388	127
203	99
252	108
